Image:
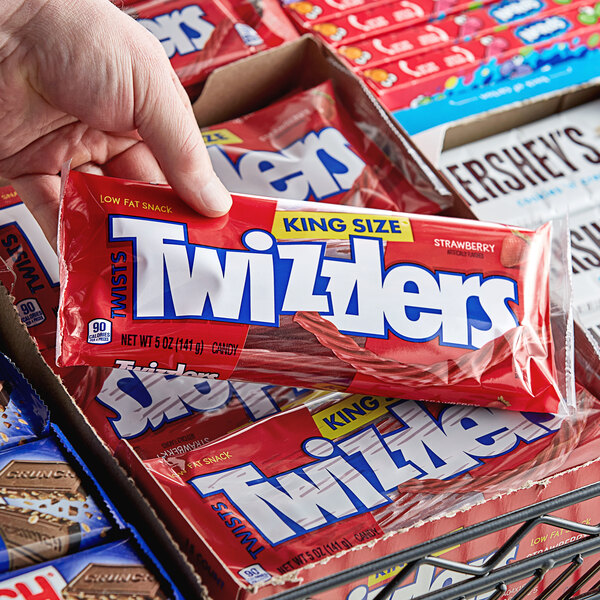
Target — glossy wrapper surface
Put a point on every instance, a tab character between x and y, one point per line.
307	295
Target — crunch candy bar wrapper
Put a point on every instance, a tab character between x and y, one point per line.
320	479
113	570
306	147
46	510
164	415
202	35
23	416
314	295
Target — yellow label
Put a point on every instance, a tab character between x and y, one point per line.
350	414
221	137
378	578
381	576
340	226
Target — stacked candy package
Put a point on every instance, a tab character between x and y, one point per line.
114	570
306	147
25	251
313	482
29	271
162	415
48	507
369	50
46	510
313	295
368	16
410	81
201	36
412	54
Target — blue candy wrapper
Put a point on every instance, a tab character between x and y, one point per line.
46	510
23	416
113	571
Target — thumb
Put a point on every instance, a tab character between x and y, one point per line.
165	121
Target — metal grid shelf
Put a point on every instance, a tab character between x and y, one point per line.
492	577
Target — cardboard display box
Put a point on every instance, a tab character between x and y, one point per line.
231	91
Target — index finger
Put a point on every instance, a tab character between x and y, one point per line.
165	121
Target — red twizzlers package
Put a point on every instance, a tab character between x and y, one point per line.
27	255
328	476
162	415
313	295
306	147
201	35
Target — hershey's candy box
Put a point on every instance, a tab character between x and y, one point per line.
543	170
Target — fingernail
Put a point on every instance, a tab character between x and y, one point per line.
216	200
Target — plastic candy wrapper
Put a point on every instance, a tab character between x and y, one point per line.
549	168
46	509
313	482
411	81
163	415
26	253
202	35
306	147
23	416
29	272
314	295
113	570
362	48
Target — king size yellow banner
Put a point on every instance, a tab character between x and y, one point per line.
340	226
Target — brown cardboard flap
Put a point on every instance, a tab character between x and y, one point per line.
498	121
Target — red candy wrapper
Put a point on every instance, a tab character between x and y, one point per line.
162	415
202	35
27	255
306	147
403	18
371	16
316	481
29	271
312	295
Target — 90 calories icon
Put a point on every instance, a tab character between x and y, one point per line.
99	331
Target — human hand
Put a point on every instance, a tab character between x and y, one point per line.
81	80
